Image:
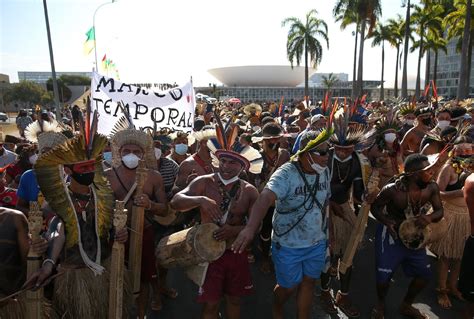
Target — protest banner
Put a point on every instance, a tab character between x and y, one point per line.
148	109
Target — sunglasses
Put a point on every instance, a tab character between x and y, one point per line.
320	152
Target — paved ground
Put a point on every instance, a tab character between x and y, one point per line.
363	293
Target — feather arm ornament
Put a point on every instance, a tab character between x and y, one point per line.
50	176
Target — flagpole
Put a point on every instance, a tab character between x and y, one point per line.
53	69
95	33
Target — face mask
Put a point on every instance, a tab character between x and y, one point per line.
426	121
157	153
130	161
108	157
410	122
348	158
390	137
443	124
33	158
315	166
228	181
181	149
274	146
84	179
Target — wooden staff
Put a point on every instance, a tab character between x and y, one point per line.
136	235
117	264
34	298
360	225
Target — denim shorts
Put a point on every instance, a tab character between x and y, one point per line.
291	264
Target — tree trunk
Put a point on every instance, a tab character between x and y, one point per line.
360	70
395	93
382	95
427	68
469	65
405	53
463	71
306	85
435	68
418	70
354	88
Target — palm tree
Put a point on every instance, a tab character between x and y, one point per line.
367	11
434	43
347	18
397	27
459	24
427	19
379	36
405	50
303	40
329	81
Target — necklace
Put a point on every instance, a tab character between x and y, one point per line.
342	180
87	198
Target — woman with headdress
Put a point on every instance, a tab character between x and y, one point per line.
449	250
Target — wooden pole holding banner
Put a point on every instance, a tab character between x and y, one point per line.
136	235
34	299
360	225
117	264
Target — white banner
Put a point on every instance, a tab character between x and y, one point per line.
173	108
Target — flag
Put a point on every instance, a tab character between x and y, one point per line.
104	62
90	41
280	107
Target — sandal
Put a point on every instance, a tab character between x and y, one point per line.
327	302
455	293
443	299
169	292
412	312
345	305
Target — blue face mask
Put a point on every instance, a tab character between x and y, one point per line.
181	149
108	157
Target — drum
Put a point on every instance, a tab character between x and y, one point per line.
414	237
191	246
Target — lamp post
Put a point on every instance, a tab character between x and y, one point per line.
53	70
95	33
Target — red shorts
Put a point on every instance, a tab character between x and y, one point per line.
148	271
228	275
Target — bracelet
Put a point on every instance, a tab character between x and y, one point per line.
48	260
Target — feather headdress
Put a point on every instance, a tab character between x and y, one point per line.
124	133
323	135
225	144
207	132
46	134
252	109
344	134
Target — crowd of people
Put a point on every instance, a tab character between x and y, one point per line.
291	185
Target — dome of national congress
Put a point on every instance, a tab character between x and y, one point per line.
261	75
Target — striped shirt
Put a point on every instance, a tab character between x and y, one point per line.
168	170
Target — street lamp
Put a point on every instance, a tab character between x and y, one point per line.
95	33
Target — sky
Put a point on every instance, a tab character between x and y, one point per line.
170	41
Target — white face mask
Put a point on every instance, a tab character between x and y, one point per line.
33	158
390	137
410	122
157	153
315	166
348	158
228	181
443	124
130	161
